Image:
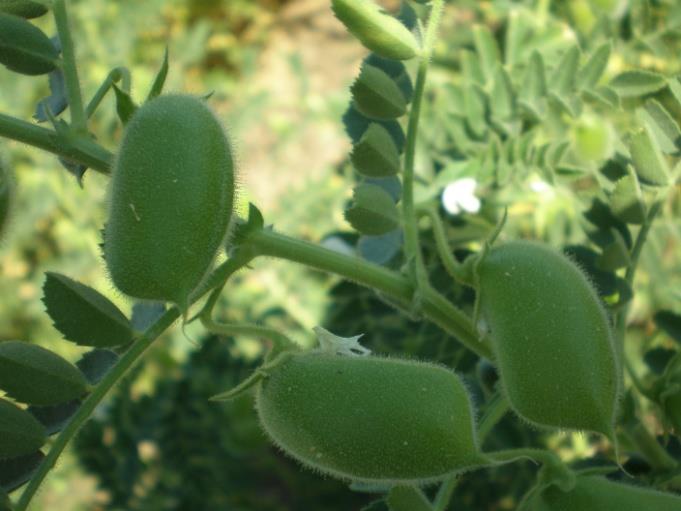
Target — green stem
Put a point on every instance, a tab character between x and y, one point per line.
444	494
130	357
494	413
434	306
452	266
78	149
78	119
411	232
114	76
281	341
654	453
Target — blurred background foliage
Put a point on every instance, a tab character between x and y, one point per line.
279	72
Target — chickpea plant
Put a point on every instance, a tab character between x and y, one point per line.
403	429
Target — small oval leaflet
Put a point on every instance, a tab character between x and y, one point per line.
378	31
376	155
594	493
33	375
369	419
22	8
83	315
20	432
545	319
378	96
24	48
631	84
647	158
626	200
372	211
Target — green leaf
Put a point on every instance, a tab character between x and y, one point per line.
408	498
16	471
670	323
145	314
395	70
607	96
125	106
471	68
96	363
22	8
380	249
615	255
24	48
564	77
502	102
630	84
649	162
83	315
378	31
33	375
662	125
377	96
391	185
20	432
372	211
356	124
476	110
487	50
534	84
626	200
160	80
593	70
376	155
518	29
5	504
55	418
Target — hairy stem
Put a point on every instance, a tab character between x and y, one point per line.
435	307
78	119
411	232
77	149
494	413
112	377
444	494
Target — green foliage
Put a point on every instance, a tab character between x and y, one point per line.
6	192
153	249
375	155
24	48
372	210
34	375
23	8
369	419
83	315
407	498
377	95
545	319
20	433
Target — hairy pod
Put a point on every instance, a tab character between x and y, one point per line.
595	493
23	8
369	419
378	31
171	199
552	339
25	48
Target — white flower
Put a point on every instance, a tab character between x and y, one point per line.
459	196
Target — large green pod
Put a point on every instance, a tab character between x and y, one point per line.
594	493
370	419
552	339
171	199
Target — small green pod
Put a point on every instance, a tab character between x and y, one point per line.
23	8
370	419
25	48
171	199
552	339
595	493
378	31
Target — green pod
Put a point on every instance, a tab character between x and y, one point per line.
20	432
171	199
22	8
369	419
552	339
25	48
595	493
378	31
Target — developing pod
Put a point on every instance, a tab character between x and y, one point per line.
551	337
369	419
172	193
593	493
